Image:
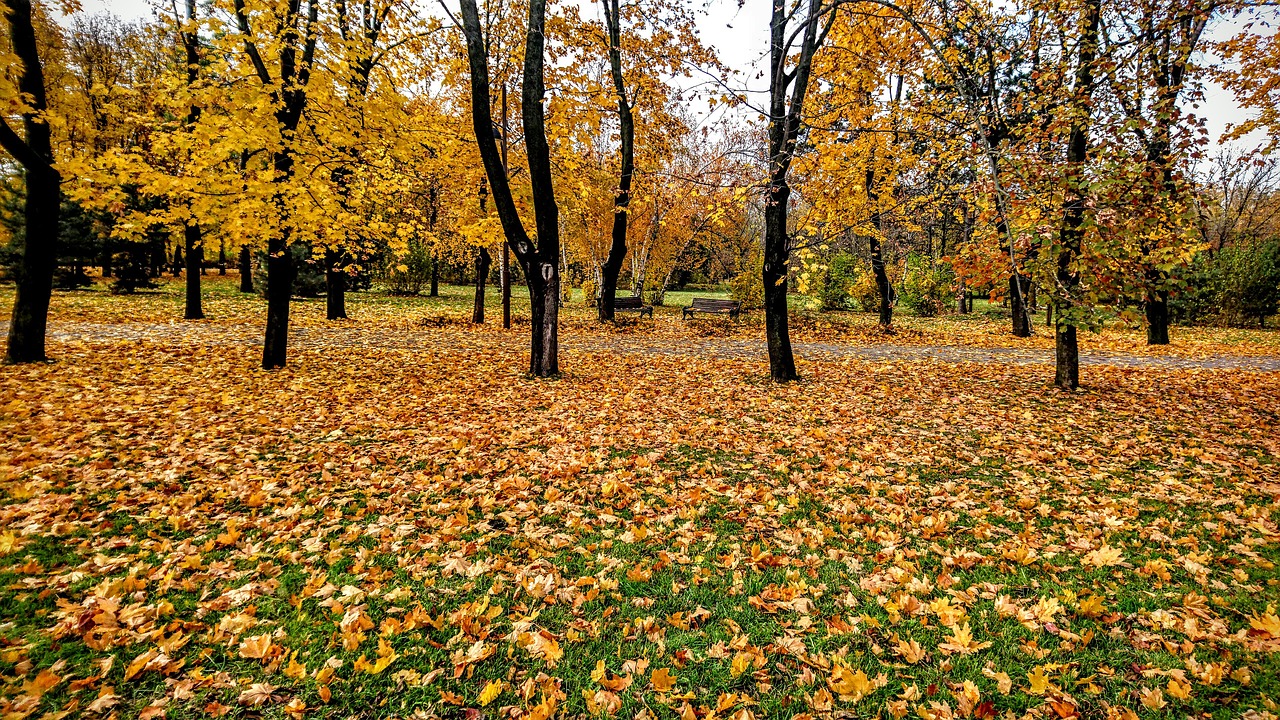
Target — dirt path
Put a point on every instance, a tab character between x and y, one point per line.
357	337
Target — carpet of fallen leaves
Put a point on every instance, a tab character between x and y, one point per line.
429	533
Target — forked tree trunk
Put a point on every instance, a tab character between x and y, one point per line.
335	281
246	269
195	259
35	272
483	261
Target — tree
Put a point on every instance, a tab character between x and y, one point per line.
540	262
190	226
34	151
295	49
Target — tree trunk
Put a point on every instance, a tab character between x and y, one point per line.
1157	310
883	288
246	269
335	283
175	269
222	258
195	257
280	272
435	276
544	302
626	156
35	273
482	276
1019	293
782	364
107	259
1066	357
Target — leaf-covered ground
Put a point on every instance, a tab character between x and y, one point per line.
420	532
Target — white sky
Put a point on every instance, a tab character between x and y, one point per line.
740	36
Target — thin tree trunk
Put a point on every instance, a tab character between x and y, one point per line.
335	281
246	269
482	276
435	276
222	258
1157	311
883	288
621	201
1019	294
195	259
176	266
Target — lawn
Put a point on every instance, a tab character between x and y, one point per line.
392	531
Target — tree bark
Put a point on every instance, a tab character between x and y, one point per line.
222	258
178	263
246	269
782	364
482	276
1157	311
335	282
435	276
280	271
195	260
35	272
622	199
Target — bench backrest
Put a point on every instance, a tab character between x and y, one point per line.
629	302
714	304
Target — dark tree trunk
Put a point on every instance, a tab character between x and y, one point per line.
1157	310
435	276
782	365
1019	294
107	259
44	195
35	273
335	282
962	301
222	258
195	260
280	270
622	199
175	268
246	269
540	263
482	276
883	287
1067	355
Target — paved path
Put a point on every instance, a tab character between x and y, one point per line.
355	336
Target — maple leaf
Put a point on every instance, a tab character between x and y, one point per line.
257	694
910	651
848	684
1105	556
8	542
961	641
256	647
491	692
662	680
106	700
1179	690
1038	681
1266	622
1152	698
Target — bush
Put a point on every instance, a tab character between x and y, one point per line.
926	287
865	292
407	275
834	284
747	287
1236	285
589	293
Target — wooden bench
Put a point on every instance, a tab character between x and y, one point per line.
632	303
713	307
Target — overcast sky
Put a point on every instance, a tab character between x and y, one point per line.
740	36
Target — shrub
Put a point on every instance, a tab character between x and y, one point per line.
408	274
834	284
589	293
926	287
865	293
747	287
1236	285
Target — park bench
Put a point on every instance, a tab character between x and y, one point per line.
632	304
713	307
